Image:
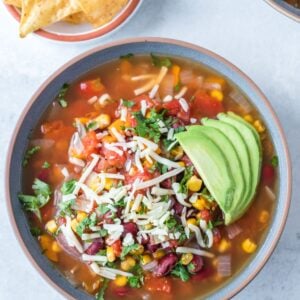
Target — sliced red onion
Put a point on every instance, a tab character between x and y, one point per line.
233	230
150	266
224	265
43	143
76	144
81	129
240	99
61	239
82	204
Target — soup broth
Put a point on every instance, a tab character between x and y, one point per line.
185	92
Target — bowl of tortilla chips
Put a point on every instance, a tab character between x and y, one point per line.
71	20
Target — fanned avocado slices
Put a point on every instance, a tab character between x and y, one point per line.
224	143
227	155
211	163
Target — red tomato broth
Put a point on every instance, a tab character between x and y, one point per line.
114	77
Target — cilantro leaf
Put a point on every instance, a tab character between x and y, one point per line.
103	209
35	231
65	207
127	56
127	249
85	223
134	281
68	187
161	61
62	94
171	222
274	161
40	198
100	294
30	152
127	103
181	272
188	173
46	165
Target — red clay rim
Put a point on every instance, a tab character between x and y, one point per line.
284	11
105	29
159	40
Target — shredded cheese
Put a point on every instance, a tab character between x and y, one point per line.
90	236
145	88
194	251
154	91
120	138
98	258
181	93
164	161
184	104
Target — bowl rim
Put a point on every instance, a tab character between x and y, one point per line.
257	268
286	9
118	21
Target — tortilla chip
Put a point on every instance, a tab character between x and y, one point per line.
15	3
99	12
77	18
40	13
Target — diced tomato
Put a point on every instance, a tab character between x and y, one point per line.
156	284
173	243
90	143
205	215
122	291
91	88
142	176
137	100
206	106
268	174
61	221
113	158
117	248
174	109
43	175
104	165
216	236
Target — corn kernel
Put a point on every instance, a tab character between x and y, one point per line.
177	152
148	115
159	254
128	263
224	246
249	246
120	280
259	126
51	255
192	221
194	184
146	259
45	241
110	254
108	183
186	258
55	247
181	163
118	125
109	139
138	251
264	217
147	164
216	80
248	118
218	95
81	215
103	121
74	224
148	226
51	226
201	204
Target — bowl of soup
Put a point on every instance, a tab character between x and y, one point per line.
148	168
290	8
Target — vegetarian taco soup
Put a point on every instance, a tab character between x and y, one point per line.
150	177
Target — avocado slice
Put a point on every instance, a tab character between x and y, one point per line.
211	164
223	142
243	153
253	143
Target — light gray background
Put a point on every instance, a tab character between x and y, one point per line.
249	33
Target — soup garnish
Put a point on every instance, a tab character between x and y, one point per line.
151	176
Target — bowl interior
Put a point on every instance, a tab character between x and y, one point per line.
85	63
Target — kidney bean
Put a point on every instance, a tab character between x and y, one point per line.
165	265
130	227
153	247
268	174
196	264
96	245
166	184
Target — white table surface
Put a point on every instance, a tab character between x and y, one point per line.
249	33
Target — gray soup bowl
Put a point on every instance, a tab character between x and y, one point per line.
286	9
98	56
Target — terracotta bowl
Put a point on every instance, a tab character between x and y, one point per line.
66	32
86	62
286	9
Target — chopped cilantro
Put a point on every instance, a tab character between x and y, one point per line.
188	173
206	194
35	231
100	294
120	203
40	198
68	187
181	272
103	232
65	207
127	56
85	223
274	161
103	209
91	125
161	61
134	281
177	87
46	165
161	168
171	222
61	95
127	249
127	103
30	152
